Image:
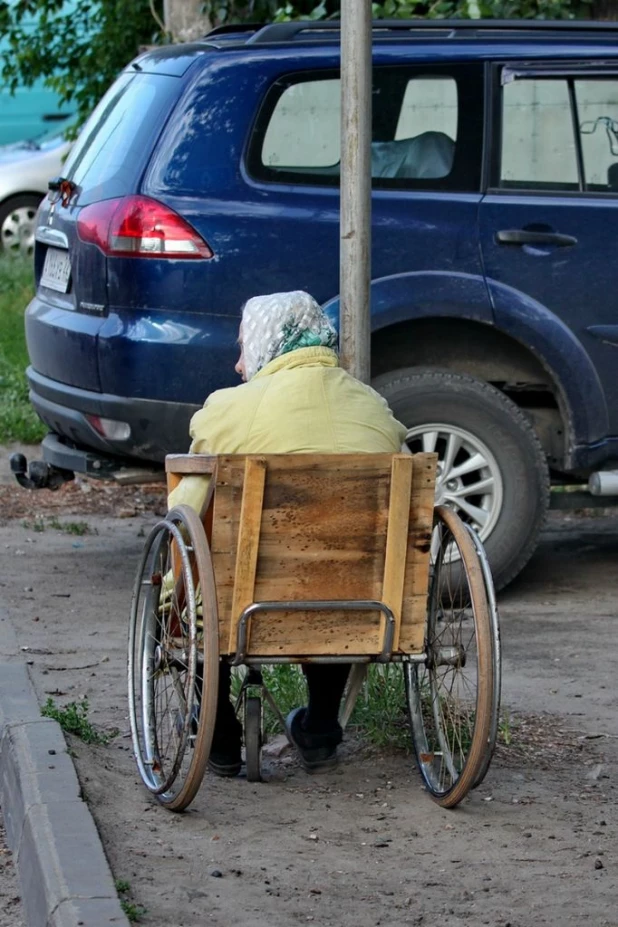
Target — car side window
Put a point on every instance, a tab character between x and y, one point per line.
416	141
429	105
304	128
597	112
559	134
538	142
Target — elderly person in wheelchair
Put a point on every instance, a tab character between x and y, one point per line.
295	398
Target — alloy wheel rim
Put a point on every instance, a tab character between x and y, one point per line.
18	231
468	477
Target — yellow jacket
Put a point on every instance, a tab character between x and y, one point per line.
311	406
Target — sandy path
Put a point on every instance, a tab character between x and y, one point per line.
537	844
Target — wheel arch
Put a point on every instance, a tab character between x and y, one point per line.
21	194
485	329
480	350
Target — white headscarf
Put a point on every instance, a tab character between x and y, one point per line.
282	322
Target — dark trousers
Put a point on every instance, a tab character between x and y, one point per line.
325	682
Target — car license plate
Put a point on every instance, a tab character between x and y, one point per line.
56	270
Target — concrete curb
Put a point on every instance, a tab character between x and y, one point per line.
66	880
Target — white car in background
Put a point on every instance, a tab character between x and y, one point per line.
25	170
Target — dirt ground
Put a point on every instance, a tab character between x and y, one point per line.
536	844
11	914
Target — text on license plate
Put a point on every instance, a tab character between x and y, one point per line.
56	270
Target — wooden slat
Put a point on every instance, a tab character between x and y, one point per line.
323	534
173	479
248	540
397	537
190	463
419	546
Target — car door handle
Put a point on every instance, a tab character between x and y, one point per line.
530	237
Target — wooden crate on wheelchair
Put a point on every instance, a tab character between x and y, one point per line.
323	558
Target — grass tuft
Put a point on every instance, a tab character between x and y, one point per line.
78	528
133	911
18	421
380	715
73	719
39	524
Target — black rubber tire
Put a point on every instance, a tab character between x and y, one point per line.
451	705
420	395
253	738
172	767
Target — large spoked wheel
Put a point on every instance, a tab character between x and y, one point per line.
173	666
451	695
494	624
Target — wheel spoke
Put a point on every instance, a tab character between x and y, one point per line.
474	462
453	444
430	439
475	489
479	516
163	660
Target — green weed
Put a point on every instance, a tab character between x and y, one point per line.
380	715
18	421
39	524
133	911
78	528
73	719
505	730
287	686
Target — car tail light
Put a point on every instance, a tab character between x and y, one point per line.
137	226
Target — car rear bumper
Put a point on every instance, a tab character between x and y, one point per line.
156	427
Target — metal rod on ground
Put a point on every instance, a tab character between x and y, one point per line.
355	228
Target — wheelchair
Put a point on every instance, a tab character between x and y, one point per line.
312	558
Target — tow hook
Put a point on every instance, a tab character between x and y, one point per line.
39	475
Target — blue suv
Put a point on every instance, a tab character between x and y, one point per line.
209	173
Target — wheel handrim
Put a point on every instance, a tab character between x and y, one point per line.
468	476
165	654
17	232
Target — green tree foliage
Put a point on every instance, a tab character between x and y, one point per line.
79	50
79	53
235	11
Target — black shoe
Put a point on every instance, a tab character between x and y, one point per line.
224	759
317	751
225	764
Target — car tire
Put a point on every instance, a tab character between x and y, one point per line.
444	410
17	216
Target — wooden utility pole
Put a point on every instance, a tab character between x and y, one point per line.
355	220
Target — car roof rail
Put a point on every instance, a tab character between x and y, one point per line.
230	28
314	31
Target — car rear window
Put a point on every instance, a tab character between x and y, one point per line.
117	139
427	129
